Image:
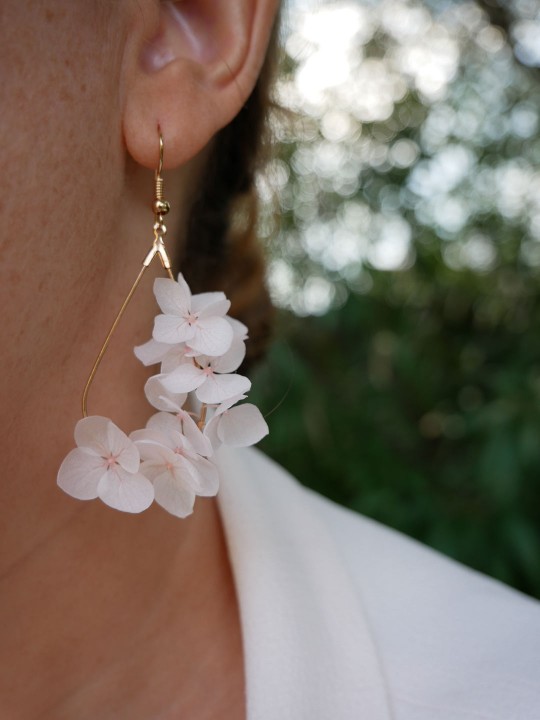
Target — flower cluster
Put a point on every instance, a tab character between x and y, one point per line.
199	348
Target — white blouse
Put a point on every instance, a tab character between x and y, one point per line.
343	618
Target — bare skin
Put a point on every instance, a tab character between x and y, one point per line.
138	622
106	615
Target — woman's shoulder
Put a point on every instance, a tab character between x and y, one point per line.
448	642
443	630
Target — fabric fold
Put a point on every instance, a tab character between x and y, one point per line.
307	645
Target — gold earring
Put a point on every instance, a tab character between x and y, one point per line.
160	207
199	348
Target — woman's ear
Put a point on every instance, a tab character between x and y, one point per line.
189	68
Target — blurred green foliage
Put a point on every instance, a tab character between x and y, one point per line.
420	411
406	367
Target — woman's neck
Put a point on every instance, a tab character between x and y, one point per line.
121	616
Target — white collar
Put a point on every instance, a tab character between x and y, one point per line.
307	645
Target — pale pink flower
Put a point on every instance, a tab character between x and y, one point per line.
237	426
234	356
178	473
182	421
106	465
169	402
209	378
197	320
160	398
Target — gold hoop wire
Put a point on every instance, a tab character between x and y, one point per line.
160	208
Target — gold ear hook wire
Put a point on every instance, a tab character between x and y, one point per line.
160	208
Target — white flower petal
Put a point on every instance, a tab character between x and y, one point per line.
184	379
209	300
218	388
206	477
164	422
166	430
147	435
215	309
229	403
213	336
241	426
92	432
200	444
151	352
121	447
177	355
152	470
160	398
160	442
173	495
239	329
184	287
190	353
186	472
169	405
80	473
232	359
157	454
129	492
174	298
204	361
172	329
210	430
172	426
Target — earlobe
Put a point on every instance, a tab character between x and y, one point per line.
193	76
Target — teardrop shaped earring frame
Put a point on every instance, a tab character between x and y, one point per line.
160	208
172	460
